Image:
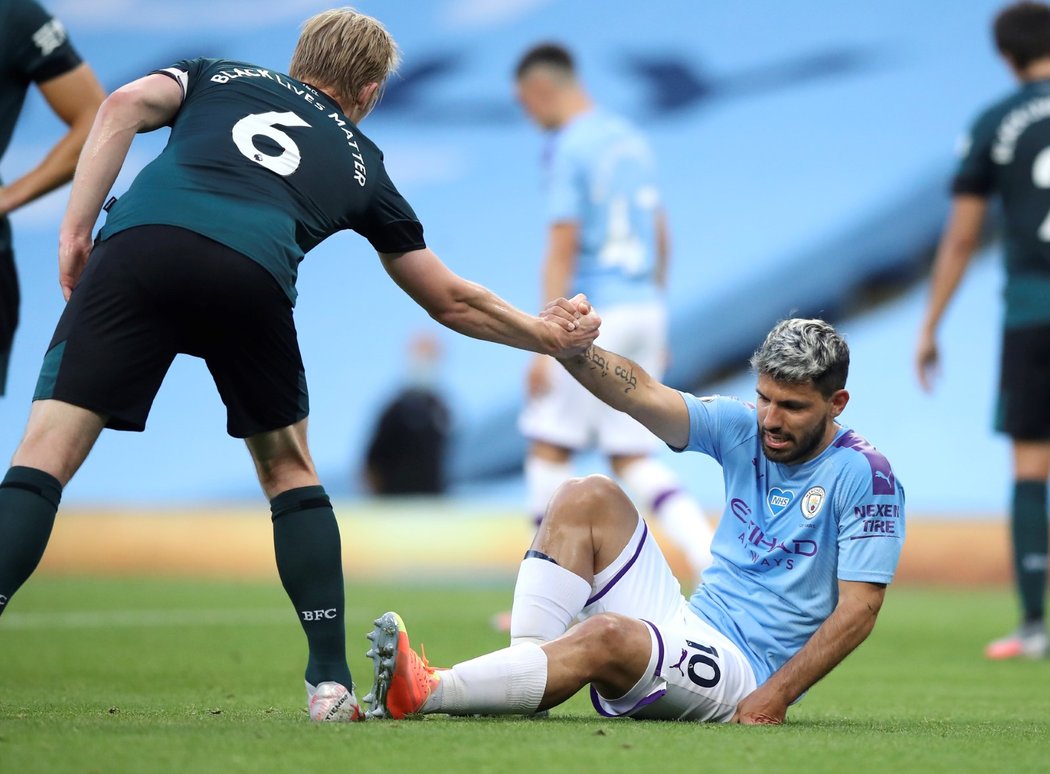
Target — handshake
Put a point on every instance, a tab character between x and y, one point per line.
573	326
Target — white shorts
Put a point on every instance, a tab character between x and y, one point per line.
568	415
695	672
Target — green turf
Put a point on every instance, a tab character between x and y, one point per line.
155	675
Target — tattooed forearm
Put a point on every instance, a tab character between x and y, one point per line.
627	374
600	361
597	361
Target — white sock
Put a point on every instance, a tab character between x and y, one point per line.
542	479
547	598
658	490
508	682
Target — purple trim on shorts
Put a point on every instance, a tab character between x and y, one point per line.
660	649
624	569
647	700
596	702
661	498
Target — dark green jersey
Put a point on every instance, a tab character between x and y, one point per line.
268	166
34	48
1008	153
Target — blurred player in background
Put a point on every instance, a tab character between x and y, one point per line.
811	535
1008	154
200	256
608	239
34	48
406	453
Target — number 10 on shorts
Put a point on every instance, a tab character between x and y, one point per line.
702	668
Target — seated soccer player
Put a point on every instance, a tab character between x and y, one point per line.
810	538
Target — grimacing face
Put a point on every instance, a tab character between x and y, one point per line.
795	421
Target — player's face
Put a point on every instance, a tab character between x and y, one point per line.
537	96
795	421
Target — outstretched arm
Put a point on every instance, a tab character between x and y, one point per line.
473	310
847	627
140	106
626	386
958	243
74	97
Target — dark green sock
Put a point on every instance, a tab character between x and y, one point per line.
310	562
28	503
1029	530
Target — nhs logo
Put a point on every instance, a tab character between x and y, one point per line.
779	499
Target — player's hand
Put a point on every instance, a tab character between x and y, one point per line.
567	311
575	324
538	378
761	707
73	250
927	360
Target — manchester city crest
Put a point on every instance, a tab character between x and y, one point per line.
813	501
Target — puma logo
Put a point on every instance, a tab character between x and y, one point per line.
678	666
883	476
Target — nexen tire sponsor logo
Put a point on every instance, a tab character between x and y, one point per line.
883	511
317	615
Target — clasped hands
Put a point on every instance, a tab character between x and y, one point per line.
574	324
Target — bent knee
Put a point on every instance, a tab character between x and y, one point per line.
607	637
588	497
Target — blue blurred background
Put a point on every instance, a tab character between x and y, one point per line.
805	148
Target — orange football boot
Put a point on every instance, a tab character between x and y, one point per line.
403	679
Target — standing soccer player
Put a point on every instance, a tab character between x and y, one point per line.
1008	153
200	256
608	239
34	48
811	535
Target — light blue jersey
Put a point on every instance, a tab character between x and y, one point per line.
601	175
790	532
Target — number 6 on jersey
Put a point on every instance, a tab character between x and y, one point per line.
262	125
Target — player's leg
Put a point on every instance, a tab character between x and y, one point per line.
57	440
611	651
590	522
1029	536
247	336
1024	414
655	487
680	669
105	363
307	549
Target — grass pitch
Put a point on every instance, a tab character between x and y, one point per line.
175	675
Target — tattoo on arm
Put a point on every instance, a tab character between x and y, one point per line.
625	373
597	361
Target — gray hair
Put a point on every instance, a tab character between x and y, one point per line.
800	351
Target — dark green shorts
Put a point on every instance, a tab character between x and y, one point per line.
1023	410
152	292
